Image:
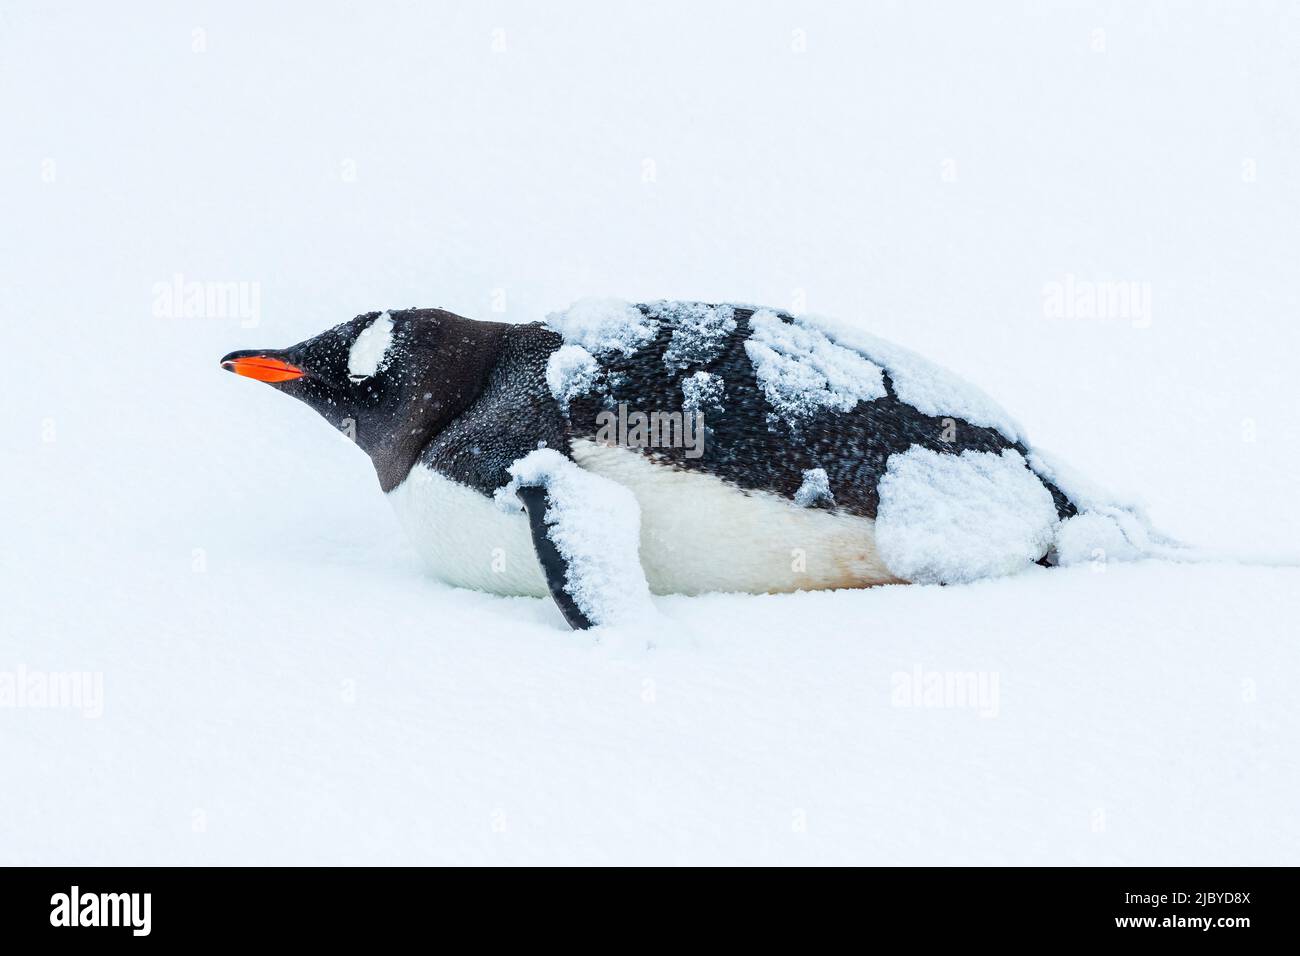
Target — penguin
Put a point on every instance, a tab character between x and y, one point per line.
617	450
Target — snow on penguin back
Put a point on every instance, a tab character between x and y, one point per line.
602	326
927	387
592	328
802	371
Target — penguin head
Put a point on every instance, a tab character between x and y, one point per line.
346	373
389	380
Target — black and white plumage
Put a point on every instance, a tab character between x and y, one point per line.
824	457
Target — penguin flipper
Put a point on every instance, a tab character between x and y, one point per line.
554	565
586	532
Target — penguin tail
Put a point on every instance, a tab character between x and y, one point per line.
1185	554
1123	533
1099	527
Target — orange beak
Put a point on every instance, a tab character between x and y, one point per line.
262	368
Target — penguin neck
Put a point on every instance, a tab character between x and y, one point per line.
437	394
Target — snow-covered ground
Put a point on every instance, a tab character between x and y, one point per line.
279	681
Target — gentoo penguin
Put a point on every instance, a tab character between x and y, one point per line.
616	450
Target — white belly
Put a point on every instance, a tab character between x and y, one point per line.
698	534
464	538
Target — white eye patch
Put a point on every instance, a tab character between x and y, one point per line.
368	351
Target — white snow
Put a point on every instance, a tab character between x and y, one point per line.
1083	491
1094	536
595	524
815	489
603	325
571	371
801	371
371	347
700	331
918	381
948	519
703	392
283	682
1109	527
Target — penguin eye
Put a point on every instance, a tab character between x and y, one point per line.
370	349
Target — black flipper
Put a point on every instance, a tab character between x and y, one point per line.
554	566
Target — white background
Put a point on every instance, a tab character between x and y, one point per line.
281	683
